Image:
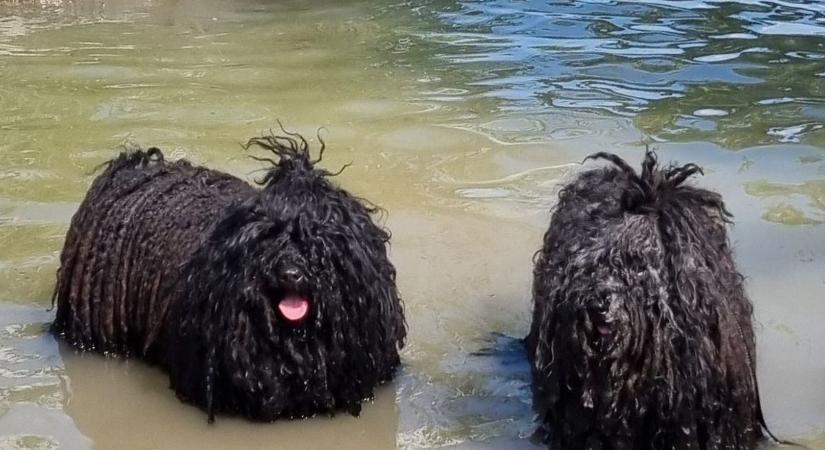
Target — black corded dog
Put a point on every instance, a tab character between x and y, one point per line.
268	303
642	335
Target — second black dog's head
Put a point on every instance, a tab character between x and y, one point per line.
290	307
641	331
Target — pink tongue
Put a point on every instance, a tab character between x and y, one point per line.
294	307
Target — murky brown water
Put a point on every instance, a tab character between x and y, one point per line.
460	119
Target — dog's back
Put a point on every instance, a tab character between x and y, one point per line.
127	242
642	335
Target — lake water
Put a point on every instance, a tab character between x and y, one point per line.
461	119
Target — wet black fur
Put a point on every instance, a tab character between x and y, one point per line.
183	266
642	334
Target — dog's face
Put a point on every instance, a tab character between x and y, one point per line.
610	320
294	269
296	297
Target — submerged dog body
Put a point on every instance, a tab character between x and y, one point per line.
642	335
272	302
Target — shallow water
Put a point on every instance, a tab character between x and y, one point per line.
460	119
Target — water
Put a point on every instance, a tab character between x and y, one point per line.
460	119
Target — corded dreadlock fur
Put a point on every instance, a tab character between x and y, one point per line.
642	334
184	266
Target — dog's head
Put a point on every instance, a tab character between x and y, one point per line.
291	301
640	311
655	234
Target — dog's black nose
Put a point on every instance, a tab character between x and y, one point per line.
291	276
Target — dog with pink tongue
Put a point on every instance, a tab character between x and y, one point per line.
271	302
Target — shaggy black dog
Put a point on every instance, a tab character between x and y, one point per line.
268	303
641	336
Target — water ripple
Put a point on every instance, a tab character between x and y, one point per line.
658	61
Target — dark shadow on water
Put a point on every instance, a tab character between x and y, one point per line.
483	401
505	355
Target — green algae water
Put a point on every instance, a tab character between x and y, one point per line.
459	118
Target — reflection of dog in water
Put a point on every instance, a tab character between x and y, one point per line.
121	405
278	302
642	335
